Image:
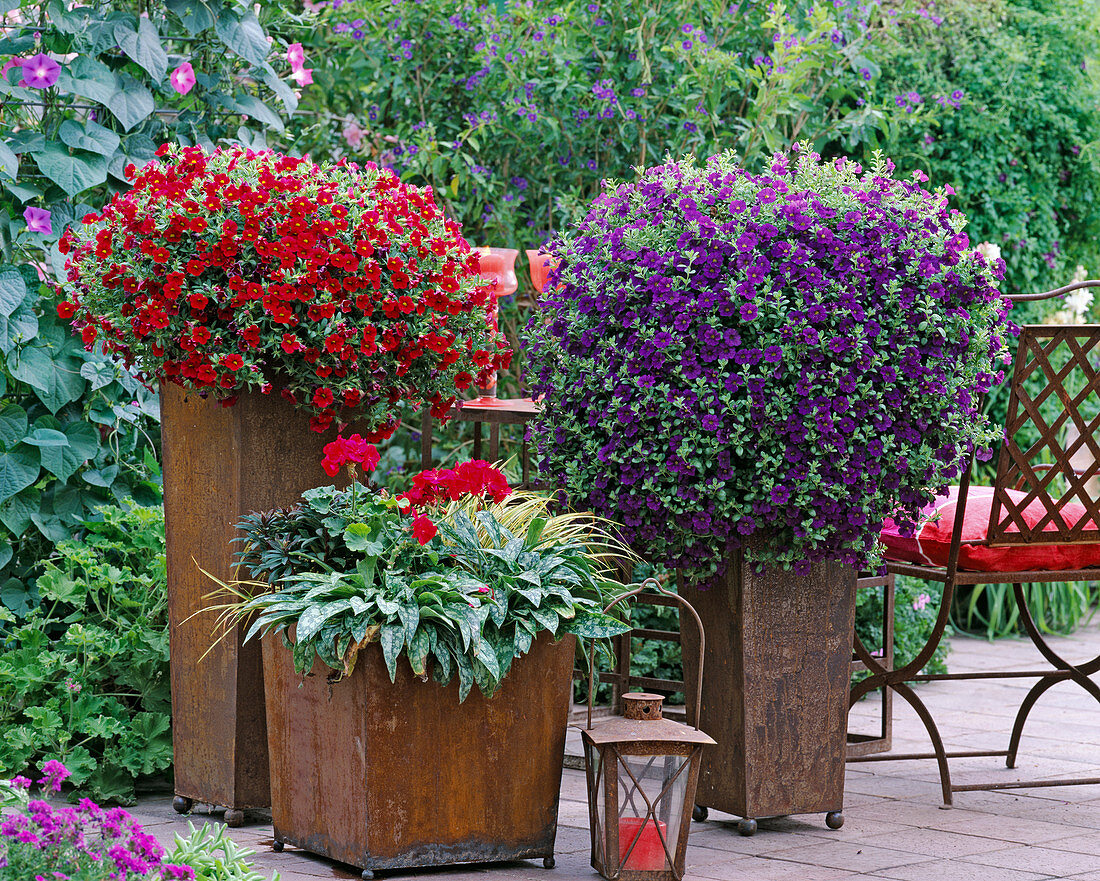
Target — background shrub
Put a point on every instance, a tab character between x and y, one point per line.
84	679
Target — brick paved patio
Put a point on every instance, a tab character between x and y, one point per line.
895	826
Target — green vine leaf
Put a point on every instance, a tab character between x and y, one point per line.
131	102
90	136
13	290
244	35
73	172
143	46
19	469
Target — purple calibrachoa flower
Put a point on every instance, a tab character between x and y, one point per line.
814	342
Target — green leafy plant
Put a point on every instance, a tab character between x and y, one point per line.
214	856
84	679
991	610
514	112
464	592
86	90
1020	149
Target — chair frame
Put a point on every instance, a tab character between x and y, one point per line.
1016	470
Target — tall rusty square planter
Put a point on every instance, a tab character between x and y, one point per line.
385	775
775	695
220	463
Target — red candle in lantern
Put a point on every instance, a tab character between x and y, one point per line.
649	853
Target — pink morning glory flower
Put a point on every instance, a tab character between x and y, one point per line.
303	76
14	61
296	55
38	220
183	78
40	72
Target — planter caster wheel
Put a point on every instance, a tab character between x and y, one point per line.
834	819
549	862
746	826
277	846
699	813
234	818
181	804
367	875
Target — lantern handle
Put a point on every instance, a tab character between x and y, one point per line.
655	585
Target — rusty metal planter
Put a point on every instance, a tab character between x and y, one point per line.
385	775
775	697
219	464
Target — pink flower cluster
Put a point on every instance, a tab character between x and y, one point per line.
62	840
301	74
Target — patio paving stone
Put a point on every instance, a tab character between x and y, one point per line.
896	828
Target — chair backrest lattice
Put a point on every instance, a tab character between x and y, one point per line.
1050	452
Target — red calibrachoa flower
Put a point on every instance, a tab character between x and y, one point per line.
342	286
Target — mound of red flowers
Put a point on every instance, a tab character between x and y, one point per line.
341	287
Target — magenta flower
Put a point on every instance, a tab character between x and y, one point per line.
40	72
303	76
14	61
38	220
183	78
296	55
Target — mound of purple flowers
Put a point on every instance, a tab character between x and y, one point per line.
794	355
80	843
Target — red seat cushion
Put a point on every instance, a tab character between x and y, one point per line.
932	542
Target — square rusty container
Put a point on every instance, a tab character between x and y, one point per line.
775	695
385	775
220	463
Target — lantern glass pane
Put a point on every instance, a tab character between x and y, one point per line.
651	807
597	795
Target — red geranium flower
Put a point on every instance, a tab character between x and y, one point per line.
423	529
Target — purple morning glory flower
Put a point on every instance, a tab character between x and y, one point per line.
38	220
40	72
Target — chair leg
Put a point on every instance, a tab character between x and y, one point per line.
1063	670
933	733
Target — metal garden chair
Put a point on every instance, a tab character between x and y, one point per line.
1043	513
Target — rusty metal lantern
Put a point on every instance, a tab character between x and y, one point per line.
642	770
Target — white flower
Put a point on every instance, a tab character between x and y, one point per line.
989	250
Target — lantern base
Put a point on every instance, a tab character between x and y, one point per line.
699	813
549	862
834	819
746	826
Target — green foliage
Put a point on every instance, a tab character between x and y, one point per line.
1021	150
916	604
84	679
76	431
514	112
214	856
990	609
113	102
347	574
